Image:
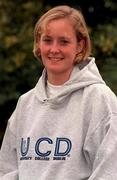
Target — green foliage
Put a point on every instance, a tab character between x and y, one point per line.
18	70
105	40
104	48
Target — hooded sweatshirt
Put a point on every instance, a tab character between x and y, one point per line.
71	135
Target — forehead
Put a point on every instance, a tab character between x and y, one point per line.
60	26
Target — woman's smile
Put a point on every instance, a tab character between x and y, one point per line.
55	58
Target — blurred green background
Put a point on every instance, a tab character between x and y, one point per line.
19	70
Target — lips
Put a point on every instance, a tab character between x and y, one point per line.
54	58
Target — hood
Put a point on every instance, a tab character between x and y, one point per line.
83	75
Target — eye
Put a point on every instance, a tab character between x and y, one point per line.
64	42
47	40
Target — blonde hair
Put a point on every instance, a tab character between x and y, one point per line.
77	19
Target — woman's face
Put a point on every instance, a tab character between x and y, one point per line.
58	47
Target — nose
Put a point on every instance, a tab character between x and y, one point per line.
54	47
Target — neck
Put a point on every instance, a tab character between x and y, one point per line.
58	79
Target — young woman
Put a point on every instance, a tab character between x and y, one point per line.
66	127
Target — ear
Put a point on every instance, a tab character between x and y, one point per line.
80	46
80	50
38	51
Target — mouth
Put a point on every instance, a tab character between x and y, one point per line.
54	58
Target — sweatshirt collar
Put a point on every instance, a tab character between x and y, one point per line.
84	74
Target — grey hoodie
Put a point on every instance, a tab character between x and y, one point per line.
71	136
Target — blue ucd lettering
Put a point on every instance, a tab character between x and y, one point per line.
62	148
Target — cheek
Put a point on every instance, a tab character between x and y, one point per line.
71	53
43	49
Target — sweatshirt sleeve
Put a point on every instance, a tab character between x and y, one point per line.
100	146
8	154
104	163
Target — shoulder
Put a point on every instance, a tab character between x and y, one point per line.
26	99
29	94
101	97
101	90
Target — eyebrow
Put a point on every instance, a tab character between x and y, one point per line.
61	37
46	36
64	37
